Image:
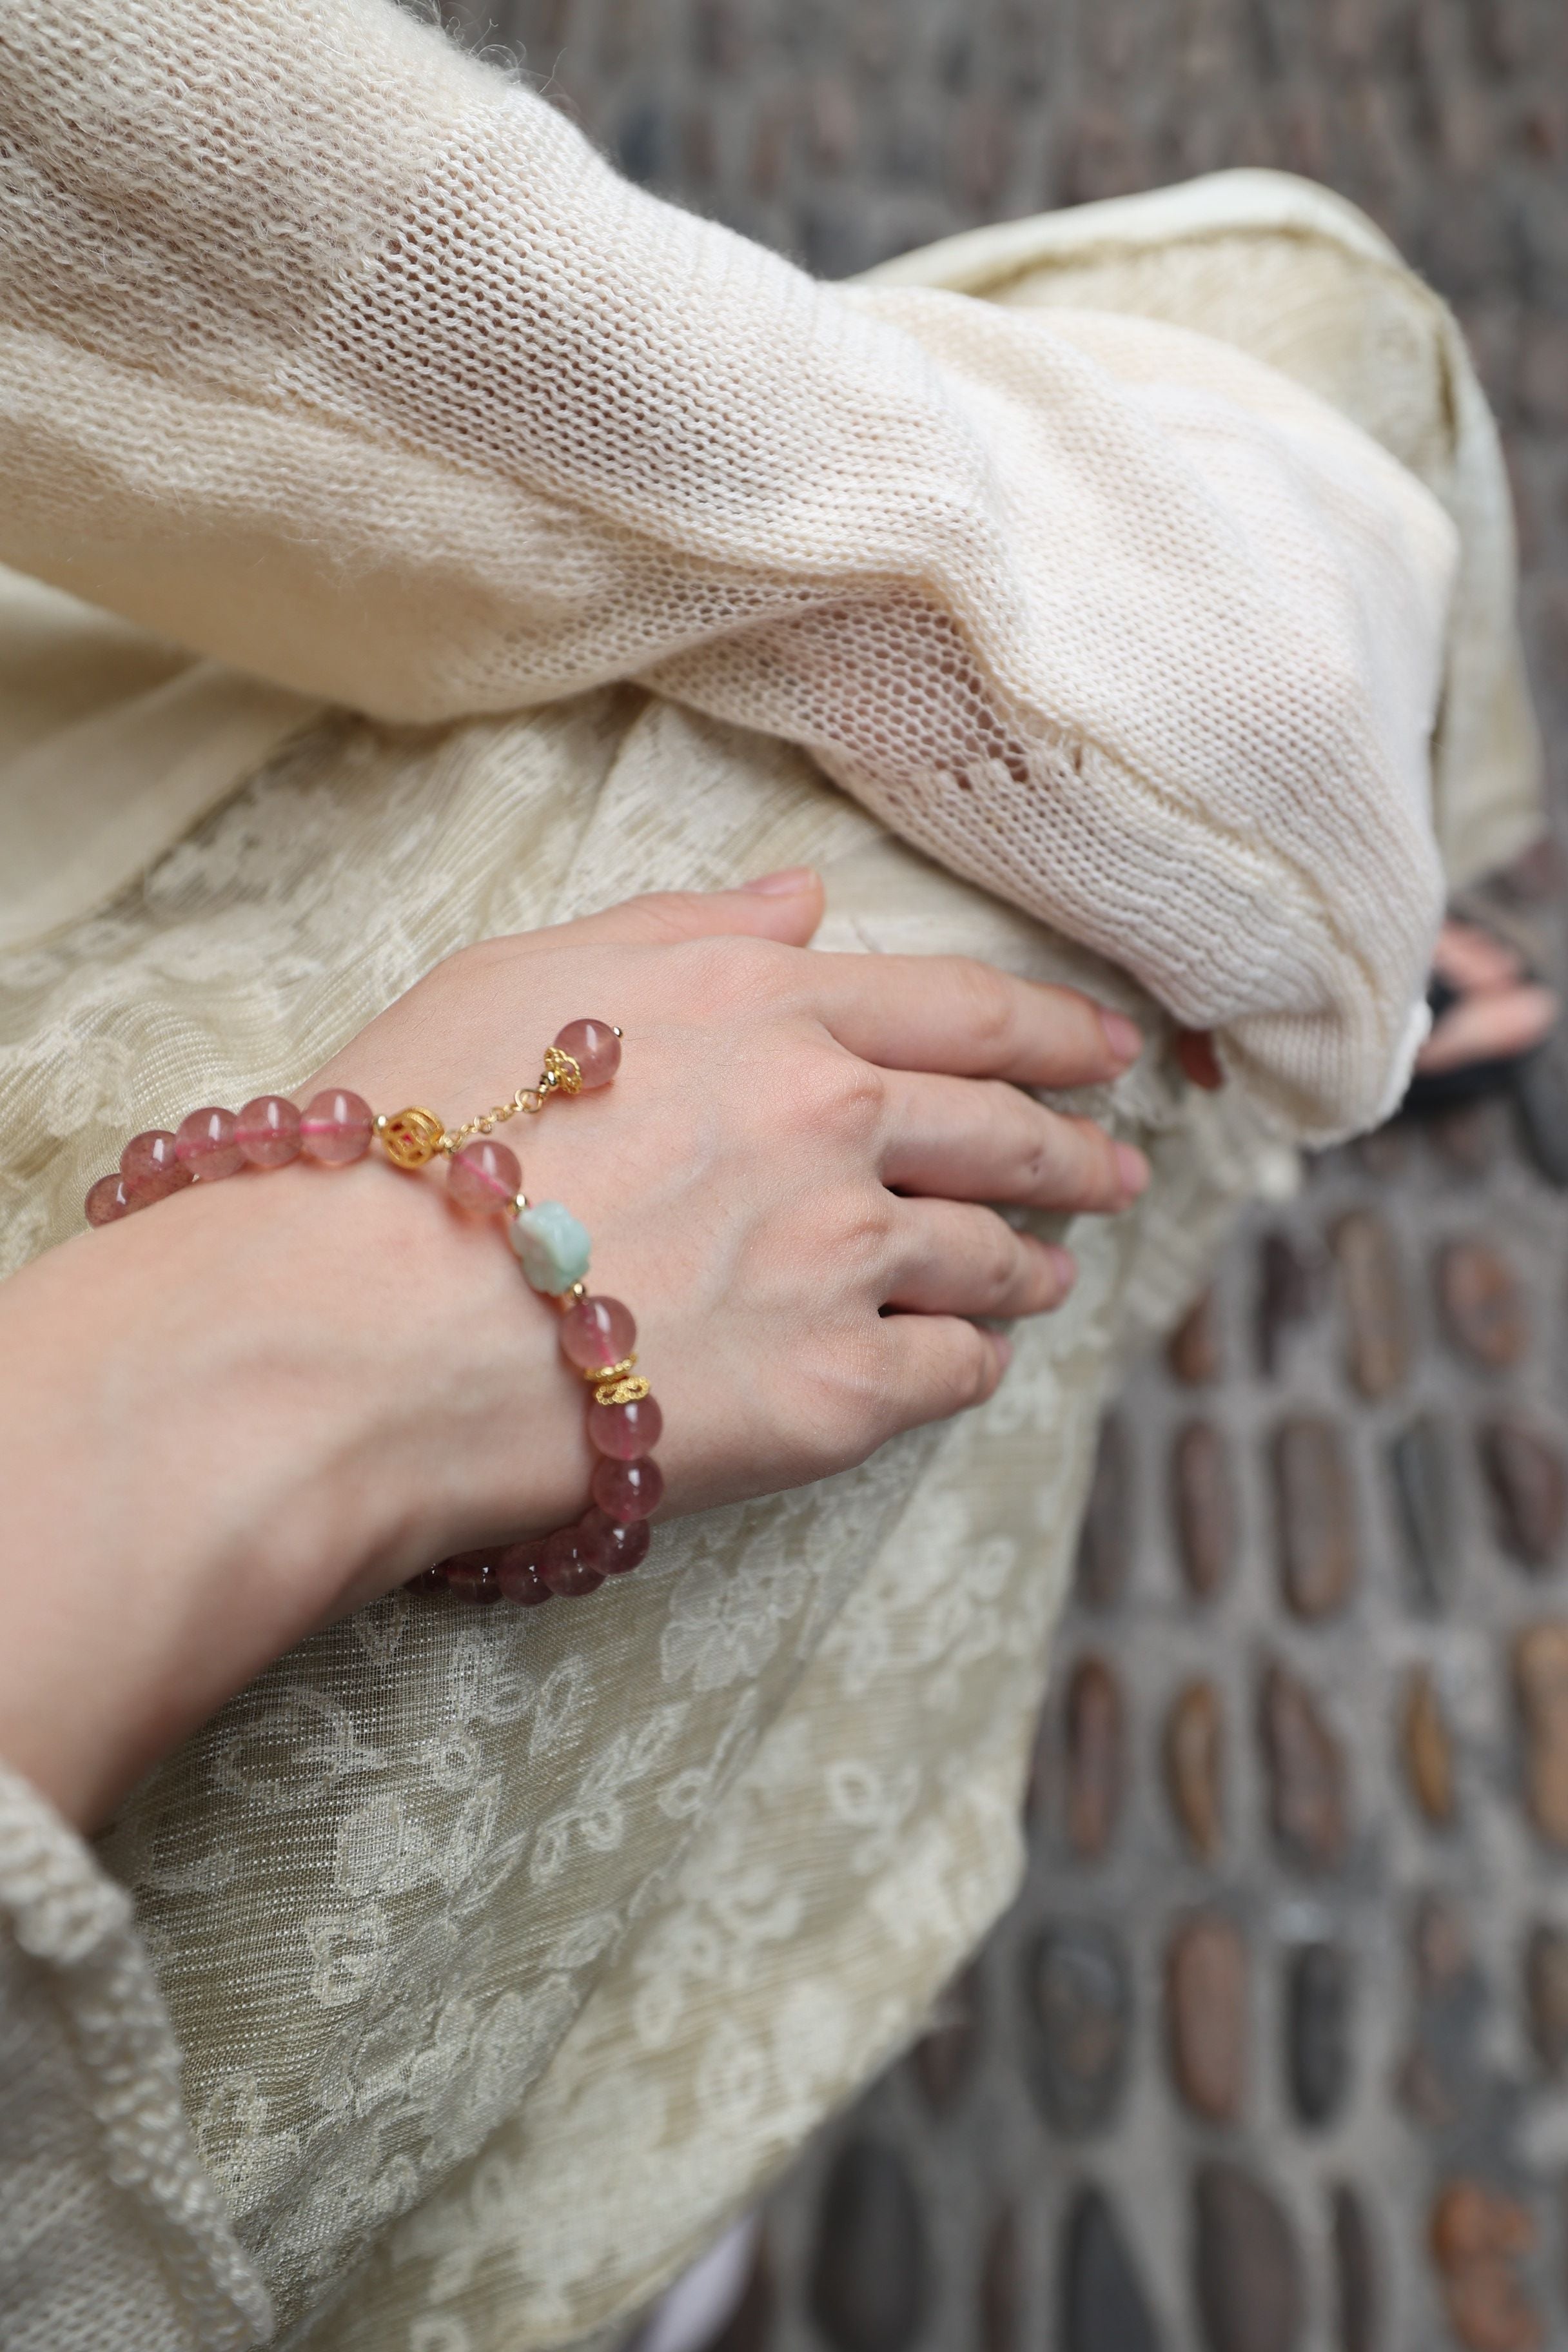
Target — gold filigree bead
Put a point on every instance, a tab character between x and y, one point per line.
562	1071
630	1390
410	1137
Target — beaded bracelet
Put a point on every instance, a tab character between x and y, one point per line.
483	1177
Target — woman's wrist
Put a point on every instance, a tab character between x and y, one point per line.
234	1417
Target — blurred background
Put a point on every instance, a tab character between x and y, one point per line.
1269	2056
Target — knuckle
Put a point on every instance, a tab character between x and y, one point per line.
862	1238
973	1367
989	1005
841	1096
1000	1261
839	1413
728	967
1042	1160
662	916
1088	1175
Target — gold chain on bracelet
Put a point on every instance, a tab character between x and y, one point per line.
411	1138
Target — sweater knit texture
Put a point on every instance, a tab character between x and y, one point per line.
338	356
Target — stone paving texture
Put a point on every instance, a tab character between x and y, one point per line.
1269	2056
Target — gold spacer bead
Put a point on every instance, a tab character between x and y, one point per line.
607	1373
410	1137
630	1390
562	1071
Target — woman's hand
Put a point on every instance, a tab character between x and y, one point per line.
782	1181
262	1402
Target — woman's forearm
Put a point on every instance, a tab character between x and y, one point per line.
235	1416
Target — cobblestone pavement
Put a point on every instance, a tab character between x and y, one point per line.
1268	2058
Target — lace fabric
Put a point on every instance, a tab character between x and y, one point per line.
456	1917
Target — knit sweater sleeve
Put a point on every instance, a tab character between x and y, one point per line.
111	2229
337	355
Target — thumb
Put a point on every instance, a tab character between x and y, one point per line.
786	906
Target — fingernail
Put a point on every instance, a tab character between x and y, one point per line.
1123	1038
787	883
1004	1347
1067	1267
1132	1168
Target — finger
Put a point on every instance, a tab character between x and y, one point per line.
1471	959
953	1013
981	1140
1487	1028
936	1365
950	1258
786	906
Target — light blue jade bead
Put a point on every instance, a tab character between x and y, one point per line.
552	1247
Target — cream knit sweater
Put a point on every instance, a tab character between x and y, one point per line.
339	357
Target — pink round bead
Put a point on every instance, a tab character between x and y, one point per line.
471	1576
205	1144
571	1561
625	1542
594	1048
141	1192
483	1177
429	1580
626	1431
267	1132
336	1127
517	1571
627	1490
106	1200
151	1158
595	1332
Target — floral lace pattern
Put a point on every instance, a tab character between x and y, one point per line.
457	1915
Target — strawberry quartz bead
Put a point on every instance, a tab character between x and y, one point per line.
627	1490
517	1572
596	1332
625	1432
471	1576
150	1154
594	1048
205	1144
483	1177
571	1561
625	1546
106	1200
267	1132
336	1127
151	1170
